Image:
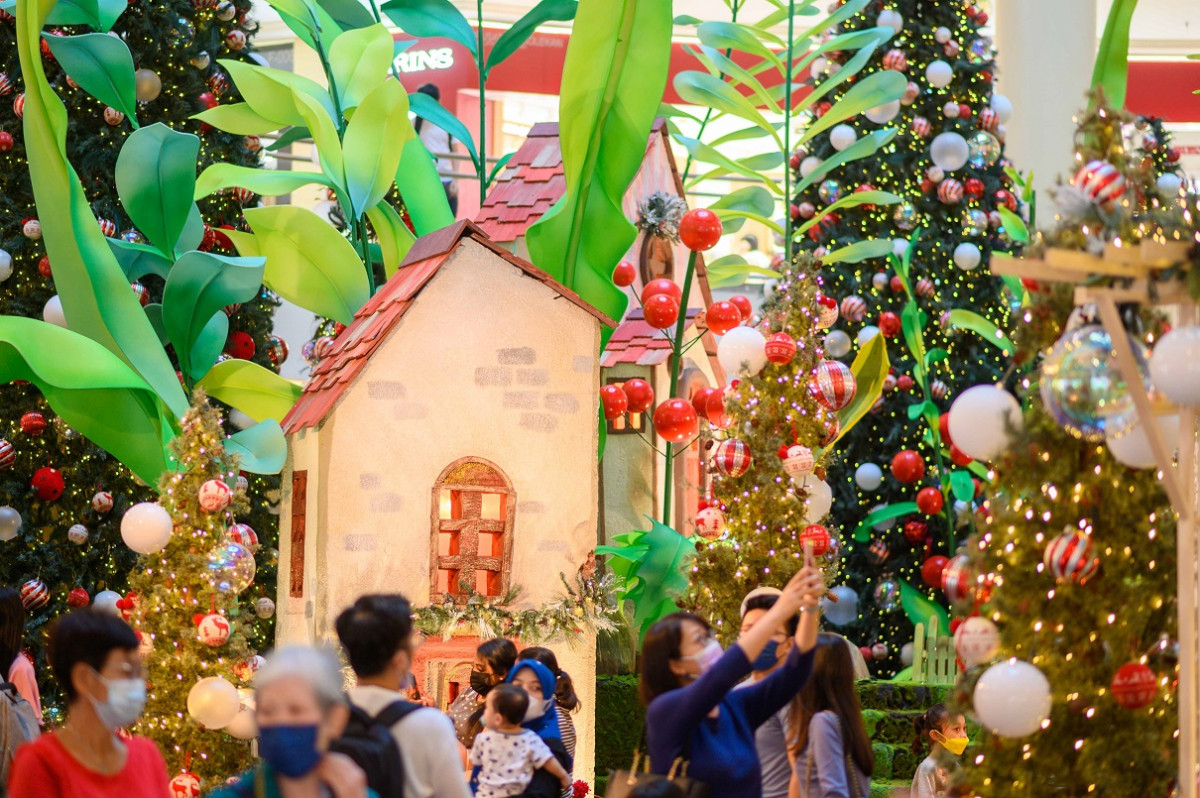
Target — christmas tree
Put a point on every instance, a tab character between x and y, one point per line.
192	604
935	303
69	536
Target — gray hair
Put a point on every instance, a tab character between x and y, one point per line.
318	667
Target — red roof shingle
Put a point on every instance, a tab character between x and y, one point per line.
637	342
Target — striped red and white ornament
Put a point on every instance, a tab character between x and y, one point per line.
112	116
1101	182
895	60
34	595
102	502
854	308
833	428
956	579
989	119
243	534
242	195
19	105
1071	557
5	84
732	458
833	385
950	191
921	126
938	390
924	288
951	48
8	455
108	227
139	291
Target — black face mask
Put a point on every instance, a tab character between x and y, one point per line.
481	682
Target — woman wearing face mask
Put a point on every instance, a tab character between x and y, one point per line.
94	657
299	708
687	681
493	658
14	666
565	700
541	718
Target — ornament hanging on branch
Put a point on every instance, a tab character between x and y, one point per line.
732	458
1071	557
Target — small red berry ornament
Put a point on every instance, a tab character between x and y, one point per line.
930	501
662	286
33	423
639	395
818	537
700	398
240	345
916	531
715	410
661	311
904	382
889	324
908	467
700	230
624	274
742	303
48	484
1134	686
896	284
931	570
675	420
721	317
614	401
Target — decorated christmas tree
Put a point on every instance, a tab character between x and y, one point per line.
901	492
192	601
63	496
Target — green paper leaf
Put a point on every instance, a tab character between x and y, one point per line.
865	147
733	270
256	391
435	113
138	260
859	251
308	262
962	486
270	93
511	40
199	286
912	323
289	137
155	174
721	35
710	91
969	320
852	200
873	90
918	409
706	154
395	239
373	143
749	199
862	533
652	567
936	355
240	119
1111	72
91	389
1014	224
268	182
500	164
870	369
420	184
101	65
207	347
359	61
424	18
261	449
920	609
328	144
154	314
613	82
348	14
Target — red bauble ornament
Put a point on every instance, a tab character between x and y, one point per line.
742	303
780	348
1006	198
904	382
662	286
240	345
732	458
964	111
1071	557
624	274
6	141
700	398
889	324
613	400
973	186
916	531
639	394
243	534
930	500
48	484
207	99
1134	686
78	598
185	785
44	266
908	467
818	537
661	311
721	317
33	423
700	230
675	420
714	409
944	428
959	457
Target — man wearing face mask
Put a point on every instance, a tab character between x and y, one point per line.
94	657
771	737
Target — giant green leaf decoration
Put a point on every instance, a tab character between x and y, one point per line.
862	532
91	389
432	18
359	61
258	392
969	320
155	174
511	40
261	449
1111	71
373	143
652	567
101	65
268	182
395	239
870	369
421	186
613	81
920	609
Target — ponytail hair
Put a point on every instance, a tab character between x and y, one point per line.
934	719
564	688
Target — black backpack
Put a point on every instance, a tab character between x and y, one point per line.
369	742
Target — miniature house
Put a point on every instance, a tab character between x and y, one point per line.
632	478
447	445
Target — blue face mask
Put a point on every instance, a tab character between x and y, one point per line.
767	658
290	750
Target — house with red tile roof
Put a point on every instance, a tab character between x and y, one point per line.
445	447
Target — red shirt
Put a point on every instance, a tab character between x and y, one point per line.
45	769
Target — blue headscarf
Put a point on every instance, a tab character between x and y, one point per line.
545	726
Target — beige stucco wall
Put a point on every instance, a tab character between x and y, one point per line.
487	363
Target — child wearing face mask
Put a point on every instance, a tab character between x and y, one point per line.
946	733
506	754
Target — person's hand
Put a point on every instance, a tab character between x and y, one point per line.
805	588
342	776
565	781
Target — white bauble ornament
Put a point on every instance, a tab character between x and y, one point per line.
1133	448
880	280
213	630
213	702
32	229
5	265
1012	698
742	351
942	35
146	527
106	600
967	256
906	655
77	534
710	523
883	113
10	523
842	136
147	85
976	640
1175	366
184	785
819	65
939	74
868	477
1169	184
819	500
264	607
979	420
950	110
809	165
845	610
246	669
1003	107
102	501
798	461
52	312
891	18
214	496
837	343
949	151
867	333
899	247
243	726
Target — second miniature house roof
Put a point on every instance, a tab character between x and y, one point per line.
635	341
351	350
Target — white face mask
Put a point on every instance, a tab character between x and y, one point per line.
707	656
537	708
126	700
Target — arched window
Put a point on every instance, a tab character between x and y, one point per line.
473	510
